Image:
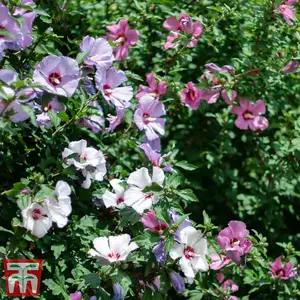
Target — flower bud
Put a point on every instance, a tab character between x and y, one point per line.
177	282
118	291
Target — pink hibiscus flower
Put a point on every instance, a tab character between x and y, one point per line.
185	25
249	115
155	90
283	272
232	239
123	37
287	11
191	96
151	223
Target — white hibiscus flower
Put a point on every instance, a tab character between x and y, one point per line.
112	249
138	180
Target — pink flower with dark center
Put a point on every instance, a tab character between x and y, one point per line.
249	115
185	25
123	37
151	223
282	272
290	67
147	117
219	261
59	75
232	240
287	11
191	96
155	90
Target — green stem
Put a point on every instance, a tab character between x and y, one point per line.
76	115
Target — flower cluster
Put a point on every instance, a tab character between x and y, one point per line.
147	240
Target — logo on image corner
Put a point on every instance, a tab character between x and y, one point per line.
23	276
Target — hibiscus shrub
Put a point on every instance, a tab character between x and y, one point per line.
151	149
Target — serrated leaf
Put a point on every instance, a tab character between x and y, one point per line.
58	249
63	116
186	166
187	195
129	216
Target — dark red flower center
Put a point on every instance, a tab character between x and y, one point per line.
160	228
280	272
121	39
81	155
107	90
146	118
36	214
47	108
234	242
189	252
248	115
148	196
120	200
114	255
55	79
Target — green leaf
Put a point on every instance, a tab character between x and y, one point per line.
24	201
187	195
206	218
155	187
63	116
55	120
129	216
169	243
58	249
53	286
133	76
173	181
186	166
30	111
93	280
81	56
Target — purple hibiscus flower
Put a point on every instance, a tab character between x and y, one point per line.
100	52
59	75
147	117
108	83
